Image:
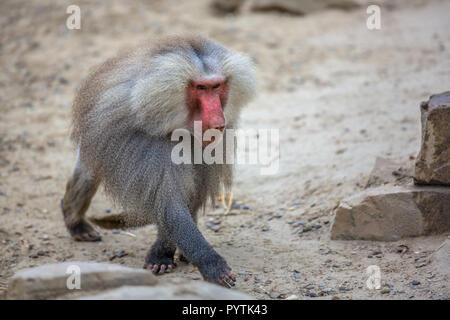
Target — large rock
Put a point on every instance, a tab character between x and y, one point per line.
393	212
109	281
50	281
433	161
172	290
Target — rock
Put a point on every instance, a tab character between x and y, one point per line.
387	171
50	281
110	282
433	161
182	289
385	290
393	212
441	258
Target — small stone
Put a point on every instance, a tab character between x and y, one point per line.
246	207
265	229
385	290
313	294
297	276
42	252
310	287
274	294
415	283
242	272
344	289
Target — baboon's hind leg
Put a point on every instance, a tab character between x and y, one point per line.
80	189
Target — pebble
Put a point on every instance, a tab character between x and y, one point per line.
297	276
108	210
297	203
415	283
344	289
317	226
385	290
42	252
2	193
265	229
245	207
274	294
336	265
235	206
242	272
310	287
313	294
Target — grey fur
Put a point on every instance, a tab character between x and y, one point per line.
123	116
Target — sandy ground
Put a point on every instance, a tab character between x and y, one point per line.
340	95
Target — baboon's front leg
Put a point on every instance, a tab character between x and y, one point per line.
79	191
159	258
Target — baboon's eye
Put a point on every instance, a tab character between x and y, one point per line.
216	86
201	87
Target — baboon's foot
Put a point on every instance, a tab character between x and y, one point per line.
83	231
159	260
217	271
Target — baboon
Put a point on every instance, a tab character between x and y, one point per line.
123	116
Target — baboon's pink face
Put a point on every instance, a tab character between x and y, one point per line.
206	99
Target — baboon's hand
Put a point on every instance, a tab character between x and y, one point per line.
217	271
